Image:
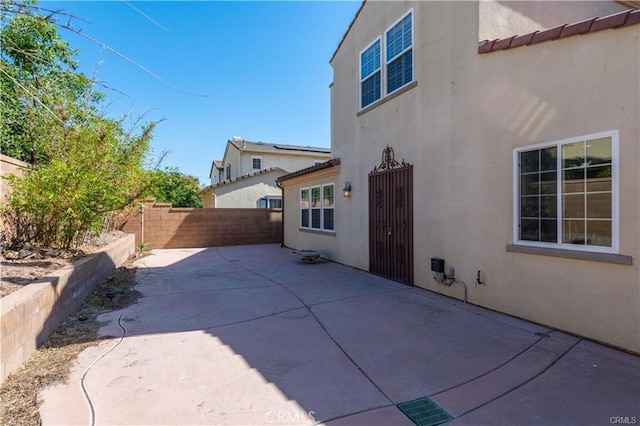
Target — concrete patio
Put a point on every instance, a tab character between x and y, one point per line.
249	335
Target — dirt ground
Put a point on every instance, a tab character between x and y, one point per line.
51	363
21	267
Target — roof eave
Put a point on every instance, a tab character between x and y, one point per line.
347	32
614	21
327	164
247	176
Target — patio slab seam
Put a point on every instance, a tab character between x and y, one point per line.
329	335
249	319
504	392
349	357
466	382
212	327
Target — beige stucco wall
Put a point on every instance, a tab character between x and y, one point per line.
458	128
232	156
243	193
241	160
501	19
288	162
305	239
216	176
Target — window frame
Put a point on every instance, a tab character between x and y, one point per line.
383	69
307	209
397	56
228	172
253	158
379	69
332	207
615	194
268	199
321	208
312	208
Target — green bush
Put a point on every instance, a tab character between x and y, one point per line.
85	165
94	170
171	186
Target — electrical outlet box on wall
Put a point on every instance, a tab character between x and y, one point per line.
437	264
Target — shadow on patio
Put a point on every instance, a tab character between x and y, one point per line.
251	335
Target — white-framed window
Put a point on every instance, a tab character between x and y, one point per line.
328	207
396	46
256	162
271	202
566	193
370	74
228	171
317	207
399	53
304	208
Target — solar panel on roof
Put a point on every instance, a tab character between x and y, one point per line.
302	148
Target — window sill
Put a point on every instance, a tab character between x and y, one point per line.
618	259
318	231
381	101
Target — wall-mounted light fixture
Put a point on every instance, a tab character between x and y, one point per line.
346	191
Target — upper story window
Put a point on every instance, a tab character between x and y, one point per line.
396	46
370	74
567	194
256	163
399	57
228	170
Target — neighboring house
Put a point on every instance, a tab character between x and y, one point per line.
246	176
217	172
253	190
516	160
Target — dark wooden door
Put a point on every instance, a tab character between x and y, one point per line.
391	219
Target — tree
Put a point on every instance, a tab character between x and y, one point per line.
86	165
171	186
40	88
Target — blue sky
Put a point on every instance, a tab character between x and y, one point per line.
263	68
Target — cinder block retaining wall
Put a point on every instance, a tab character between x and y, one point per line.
31	314
168	227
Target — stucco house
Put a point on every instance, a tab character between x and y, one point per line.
497	138
216	174
246	176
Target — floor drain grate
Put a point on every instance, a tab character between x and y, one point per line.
424	412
